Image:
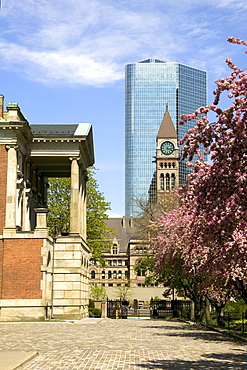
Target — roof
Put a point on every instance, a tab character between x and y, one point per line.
53	145
152	60
59	129
167	129
124	229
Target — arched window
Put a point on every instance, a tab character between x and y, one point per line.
114	249
173	181
167	182
126	274
103	274
119	275
92	274
109	274
114	275
140	272
162	182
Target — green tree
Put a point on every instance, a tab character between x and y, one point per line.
59	213
124	291
97	230
59	205
97	292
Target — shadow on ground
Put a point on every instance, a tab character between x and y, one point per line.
195	332
212	361
207	336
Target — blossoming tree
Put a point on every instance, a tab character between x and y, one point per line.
214	200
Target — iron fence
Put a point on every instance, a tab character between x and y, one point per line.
158	309
235	321
173	308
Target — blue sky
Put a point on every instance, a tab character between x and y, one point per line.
63	61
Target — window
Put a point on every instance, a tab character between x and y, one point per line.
114	249
162	182
173	181
140	272
109	274
114	263
103	274
126	274
119	262
92	274
114	275
167	182
119	275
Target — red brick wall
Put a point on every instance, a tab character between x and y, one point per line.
3	184
21	269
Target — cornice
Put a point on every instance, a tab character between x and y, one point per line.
57	140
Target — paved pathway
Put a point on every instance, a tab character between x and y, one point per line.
121	344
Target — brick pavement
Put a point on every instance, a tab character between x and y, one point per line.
121	344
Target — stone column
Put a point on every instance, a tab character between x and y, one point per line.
83	179
1	106
41	222
74	199
41	216
10	220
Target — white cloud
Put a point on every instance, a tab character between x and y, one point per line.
63	66
114	214
88	42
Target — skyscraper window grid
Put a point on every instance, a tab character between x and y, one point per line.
150	86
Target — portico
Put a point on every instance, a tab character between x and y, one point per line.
42	277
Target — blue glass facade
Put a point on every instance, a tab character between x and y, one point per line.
149	86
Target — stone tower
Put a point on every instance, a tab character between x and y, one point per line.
167	159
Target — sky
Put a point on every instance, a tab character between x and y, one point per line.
63	61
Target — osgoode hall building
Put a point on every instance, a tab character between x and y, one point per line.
41	277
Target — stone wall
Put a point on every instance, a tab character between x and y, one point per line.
70	280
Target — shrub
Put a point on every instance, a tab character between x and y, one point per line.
94	312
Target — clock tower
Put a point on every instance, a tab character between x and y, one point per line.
167	159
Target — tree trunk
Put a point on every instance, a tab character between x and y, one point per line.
241	289
207	311
219	311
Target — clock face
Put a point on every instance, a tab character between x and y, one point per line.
167	147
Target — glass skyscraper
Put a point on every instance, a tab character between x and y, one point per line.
150	86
